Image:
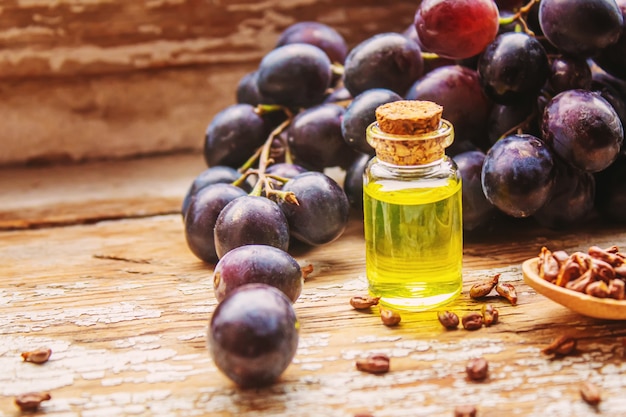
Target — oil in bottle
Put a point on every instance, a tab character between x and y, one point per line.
412	209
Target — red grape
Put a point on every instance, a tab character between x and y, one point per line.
456	29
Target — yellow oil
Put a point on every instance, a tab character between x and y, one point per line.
414	244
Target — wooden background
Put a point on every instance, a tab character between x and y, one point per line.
93	79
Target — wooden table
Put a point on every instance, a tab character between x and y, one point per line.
94	266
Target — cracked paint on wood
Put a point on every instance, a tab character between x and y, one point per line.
124	306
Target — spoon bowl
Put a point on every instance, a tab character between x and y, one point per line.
587	305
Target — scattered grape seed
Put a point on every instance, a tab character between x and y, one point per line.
374	364
472	321
590	393
363	302
561	346
482	289
31	401
37	356
465	411
390	318
477	369
448	319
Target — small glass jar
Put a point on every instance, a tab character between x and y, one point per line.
413	219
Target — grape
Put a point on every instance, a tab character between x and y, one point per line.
202	213
611	191
353	181
509	4
456	29
583	129
253	335
338	95
568	73
285	169
580	27
613	57
250	220
294	75
212	175
518	174
465	105
321	214
315	140
430	61
317	34
505	119
477	210
386	60
513	67
233	135
248	90
257	264
572	198
611	94
360	114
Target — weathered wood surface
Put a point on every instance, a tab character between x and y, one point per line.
111	78
124	306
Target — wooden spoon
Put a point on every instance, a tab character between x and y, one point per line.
600	308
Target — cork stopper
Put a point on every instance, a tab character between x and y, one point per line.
409	117
410	132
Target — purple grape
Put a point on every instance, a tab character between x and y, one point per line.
386	60
610	93
233	135
338	95
253	335
568	73
360	114
506	119
353	181
250	220
580	27
318	34
248	91
315	139
513	67
572	198
518	174
611	191
257	264
583	129
465	105
212	175
285	169
477	210
613	58
321	214
202	213
294	75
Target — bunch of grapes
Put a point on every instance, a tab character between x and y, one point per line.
537	94
536	91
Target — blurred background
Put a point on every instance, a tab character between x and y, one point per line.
88	80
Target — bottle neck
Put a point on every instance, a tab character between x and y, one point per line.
411	168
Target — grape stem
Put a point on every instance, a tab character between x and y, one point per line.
265	182
520	16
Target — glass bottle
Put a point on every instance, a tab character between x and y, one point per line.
412	209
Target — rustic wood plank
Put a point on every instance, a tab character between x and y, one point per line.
124	306
86	80
84	193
